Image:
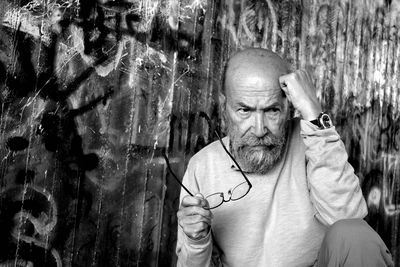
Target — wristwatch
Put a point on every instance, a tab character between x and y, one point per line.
323	121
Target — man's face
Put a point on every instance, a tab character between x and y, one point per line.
256	113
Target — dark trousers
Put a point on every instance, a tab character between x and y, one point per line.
353	243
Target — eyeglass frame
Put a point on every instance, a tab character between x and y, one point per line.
220	193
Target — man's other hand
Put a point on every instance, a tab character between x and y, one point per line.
194	216
300	90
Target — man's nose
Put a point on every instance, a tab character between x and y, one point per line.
260	128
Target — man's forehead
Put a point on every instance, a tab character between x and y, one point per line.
257	78
254	83
243	96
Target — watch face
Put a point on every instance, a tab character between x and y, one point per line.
325	120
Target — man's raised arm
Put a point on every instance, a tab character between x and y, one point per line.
334	188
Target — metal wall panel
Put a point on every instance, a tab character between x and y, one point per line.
93	92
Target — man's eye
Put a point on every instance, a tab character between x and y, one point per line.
274	111
243	111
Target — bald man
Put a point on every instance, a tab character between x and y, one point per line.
276	191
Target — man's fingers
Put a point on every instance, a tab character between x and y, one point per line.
284	86
195	210
188	201
196	231
300	91
196	228
196	200
198	195
195	216
283	83
192	227
205	204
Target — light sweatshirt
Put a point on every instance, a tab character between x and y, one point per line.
283	219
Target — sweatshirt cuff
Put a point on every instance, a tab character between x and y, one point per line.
310	129
200	242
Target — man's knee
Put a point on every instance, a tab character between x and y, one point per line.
351	230
356	237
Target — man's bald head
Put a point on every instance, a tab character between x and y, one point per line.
258	62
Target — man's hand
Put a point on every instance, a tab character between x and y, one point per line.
300	90
194	217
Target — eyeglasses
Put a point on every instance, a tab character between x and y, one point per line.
217	199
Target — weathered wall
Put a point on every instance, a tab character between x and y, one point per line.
93	91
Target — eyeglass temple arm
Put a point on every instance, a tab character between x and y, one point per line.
173	174
230	155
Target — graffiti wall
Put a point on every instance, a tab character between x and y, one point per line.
93	93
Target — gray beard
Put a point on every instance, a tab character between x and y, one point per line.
257	155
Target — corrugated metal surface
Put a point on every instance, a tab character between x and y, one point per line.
94	91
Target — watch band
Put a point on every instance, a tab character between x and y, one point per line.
323	121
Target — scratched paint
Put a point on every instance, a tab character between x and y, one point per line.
92	92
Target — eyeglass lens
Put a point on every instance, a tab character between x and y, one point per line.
239	191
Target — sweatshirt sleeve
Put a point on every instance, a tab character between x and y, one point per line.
334	188
192	253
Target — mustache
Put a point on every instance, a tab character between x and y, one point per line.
268	141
